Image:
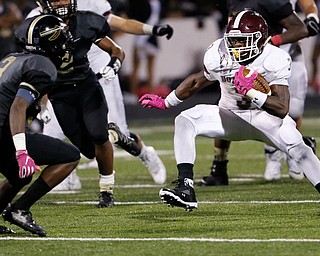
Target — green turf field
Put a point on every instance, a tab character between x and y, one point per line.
248	217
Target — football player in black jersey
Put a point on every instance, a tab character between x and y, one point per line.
24	78
78	100
279	14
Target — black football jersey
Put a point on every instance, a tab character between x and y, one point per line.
34	73
86	28
272	10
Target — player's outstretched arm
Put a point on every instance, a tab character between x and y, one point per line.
192	84
310	9
132	26
295	30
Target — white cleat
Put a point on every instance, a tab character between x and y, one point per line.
154	164
92	164
294	169
273	165
70	183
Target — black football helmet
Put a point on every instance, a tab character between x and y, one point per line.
246	35
47	35
65	9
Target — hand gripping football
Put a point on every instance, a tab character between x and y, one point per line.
260	84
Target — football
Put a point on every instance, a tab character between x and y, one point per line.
260	83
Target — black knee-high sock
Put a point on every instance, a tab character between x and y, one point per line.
38	189
185	171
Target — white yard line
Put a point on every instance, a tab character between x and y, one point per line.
177	239
200	202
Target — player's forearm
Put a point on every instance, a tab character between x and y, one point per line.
308	7
278	103
126	25
295	30
108	45
17	115
191	85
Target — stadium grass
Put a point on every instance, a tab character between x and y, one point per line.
248	217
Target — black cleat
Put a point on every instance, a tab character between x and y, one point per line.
218	175
181	196
6	231
23	219
105	200
311	142
123	141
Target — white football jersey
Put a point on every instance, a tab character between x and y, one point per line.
98	6
273	64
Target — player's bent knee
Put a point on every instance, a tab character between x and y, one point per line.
300	151
183	125
100	139
289	134
180	121
20	183
296	108
74	154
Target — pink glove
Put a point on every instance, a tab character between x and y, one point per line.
152	101
27	167
242	83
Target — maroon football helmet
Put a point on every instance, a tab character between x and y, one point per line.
246	35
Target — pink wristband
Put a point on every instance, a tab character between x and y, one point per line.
276	40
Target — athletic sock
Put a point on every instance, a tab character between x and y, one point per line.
37	190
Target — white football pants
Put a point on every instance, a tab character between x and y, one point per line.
215	122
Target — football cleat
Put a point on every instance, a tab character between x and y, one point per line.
105	200
123	141
182	196
311	142
273	165
92	164
294	170
218	175
6	231
154	164
70	183
23	219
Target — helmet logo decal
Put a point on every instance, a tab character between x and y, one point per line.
55	31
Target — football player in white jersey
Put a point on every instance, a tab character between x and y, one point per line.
243	113
279	14
112	90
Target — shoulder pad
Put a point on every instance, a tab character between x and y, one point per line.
98	6
42	63
211	57
277	64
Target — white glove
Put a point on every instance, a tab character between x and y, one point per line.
109	72
45	115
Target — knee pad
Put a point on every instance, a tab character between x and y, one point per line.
299	151
296	108
184	126
289	134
